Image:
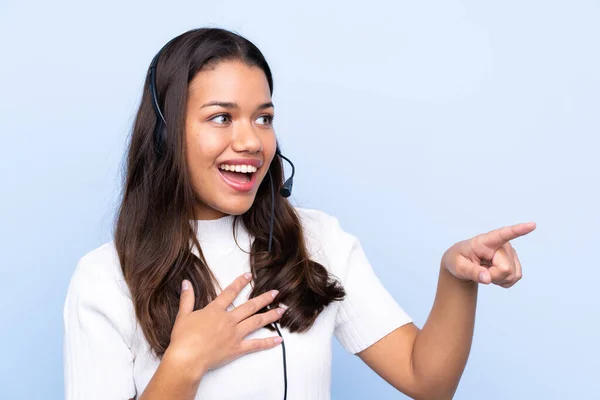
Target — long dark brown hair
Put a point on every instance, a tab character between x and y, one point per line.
156	225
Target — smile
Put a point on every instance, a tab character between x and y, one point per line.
239	181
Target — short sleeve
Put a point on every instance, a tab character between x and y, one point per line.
368	312
98	361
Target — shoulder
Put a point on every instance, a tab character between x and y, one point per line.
319	227
97	287
327	242
315	220
99	269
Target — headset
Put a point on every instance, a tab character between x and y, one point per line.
160	135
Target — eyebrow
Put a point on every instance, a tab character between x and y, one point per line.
228	104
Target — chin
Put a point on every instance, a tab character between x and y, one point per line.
236	206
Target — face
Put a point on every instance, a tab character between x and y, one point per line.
228	128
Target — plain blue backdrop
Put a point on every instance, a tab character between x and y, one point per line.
417	124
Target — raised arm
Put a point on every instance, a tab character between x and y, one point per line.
428	363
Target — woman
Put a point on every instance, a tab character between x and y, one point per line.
215	287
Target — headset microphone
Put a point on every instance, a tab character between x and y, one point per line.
286	190
160	130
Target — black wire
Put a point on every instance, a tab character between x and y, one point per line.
284	363
272	211
275	323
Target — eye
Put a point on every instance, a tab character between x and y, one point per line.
220	116
268	118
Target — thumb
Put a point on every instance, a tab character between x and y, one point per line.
470	271
482	275
186	299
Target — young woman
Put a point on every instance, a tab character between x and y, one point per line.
216	287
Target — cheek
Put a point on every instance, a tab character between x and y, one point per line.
201	153
269	145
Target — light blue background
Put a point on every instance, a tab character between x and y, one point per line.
418	124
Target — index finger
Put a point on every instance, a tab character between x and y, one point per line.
226	297
499	237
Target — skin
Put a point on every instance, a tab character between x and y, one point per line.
215	134
422	363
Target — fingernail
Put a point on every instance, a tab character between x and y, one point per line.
482	277
274	293
248	275
277	339
280	311
185	285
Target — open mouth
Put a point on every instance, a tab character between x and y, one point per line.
238	173
241	177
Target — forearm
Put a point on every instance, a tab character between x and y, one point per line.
172	380
442	346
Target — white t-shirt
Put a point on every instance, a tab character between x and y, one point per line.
107	357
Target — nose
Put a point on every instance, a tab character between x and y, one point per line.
246	139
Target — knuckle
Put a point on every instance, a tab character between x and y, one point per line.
519	275
237	351
229	322
477	242
228	319
267	298
252	307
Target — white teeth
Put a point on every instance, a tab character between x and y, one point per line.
238	168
